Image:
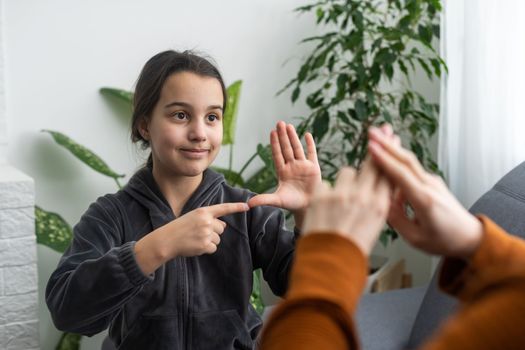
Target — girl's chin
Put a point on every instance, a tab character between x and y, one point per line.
191	171
186	168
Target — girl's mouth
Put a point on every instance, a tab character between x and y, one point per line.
195	153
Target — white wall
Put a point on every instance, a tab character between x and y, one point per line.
60	52
18	262
3	119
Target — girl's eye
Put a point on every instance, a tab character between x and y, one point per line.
180	115
212	117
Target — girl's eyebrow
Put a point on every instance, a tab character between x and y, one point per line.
187	105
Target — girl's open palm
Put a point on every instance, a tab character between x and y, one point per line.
298	173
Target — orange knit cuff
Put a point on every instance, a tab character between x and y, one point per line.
328	267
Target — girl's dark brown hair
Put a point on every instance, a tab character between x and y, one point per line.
153	77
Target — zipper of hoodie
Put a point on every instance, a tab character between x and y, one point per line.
185	303
181	290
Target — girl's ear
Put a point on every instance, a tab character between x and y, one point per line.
143	129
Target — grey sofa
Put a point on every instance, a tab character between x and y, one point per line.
403	319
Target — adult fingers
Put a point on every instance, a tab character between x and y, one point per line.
396	140
397	171
397	197
367	178
387	129
345	179
383	191
321	188
297	147
401	223
391	146
223	209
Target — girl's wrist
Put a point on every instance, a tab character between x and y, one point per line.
151	251
166	243
146	257
298	216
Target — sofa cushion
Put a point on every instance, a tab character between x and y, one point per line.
384	320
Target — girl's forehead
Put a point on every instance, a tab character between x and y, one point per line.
192	87
188	80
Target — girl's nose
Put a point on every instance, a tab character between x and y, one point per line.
197	132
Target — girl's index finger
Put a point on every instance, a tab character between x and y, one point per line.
223	209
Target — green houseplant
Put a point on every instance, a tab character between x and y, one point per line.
54	232
358	74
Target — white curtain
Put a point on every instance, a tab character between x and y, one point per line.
482	130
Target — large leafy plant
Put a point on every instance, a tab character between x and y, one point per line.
358	74
53	231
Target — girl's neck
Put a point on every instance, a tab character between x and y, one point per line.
176	189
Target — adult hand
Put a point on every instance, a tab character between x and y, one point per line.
298	174
356	207
195	233
439	224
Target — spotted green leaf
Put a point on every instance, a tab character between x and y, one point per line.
255	297
262	181
69	341
265	153
230	116
232	178
52	230
122	95
83	154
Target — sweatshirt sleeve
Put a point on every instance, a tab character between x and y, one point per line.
272	246
326	281
96	276
491	287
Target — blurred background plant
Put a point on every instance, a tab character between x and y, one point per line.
54	232
358	74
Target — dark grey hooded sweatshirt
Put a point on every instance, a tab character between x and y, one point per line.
198	302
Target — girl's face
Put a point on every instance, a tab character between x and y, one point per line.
185	127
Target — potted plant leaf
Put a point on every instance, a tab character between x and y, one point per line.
358	74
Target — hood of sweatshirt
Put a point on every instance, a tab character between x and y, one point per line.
143	187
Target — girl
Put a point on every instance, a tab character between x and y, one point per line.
167	261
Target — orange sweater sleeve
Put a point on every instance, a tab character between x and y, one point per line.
330	272
491	288
327	278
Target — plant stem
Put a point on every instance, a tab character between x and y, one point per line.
247	163
118	183
231	157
